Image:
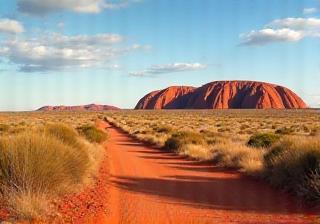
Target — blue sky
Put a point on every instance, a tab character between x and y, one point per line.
114	52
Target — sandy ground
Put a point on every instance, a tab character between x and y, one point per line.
151	186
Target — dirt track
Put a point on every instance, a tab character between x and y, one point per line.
151	186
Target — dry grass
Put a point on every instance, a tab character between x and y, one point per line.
92	134
198	152
294	164
39	166
239	139
219	135
239	156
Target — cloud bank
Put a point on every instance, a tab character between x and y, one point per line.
43	7
283	30
54	51
169	68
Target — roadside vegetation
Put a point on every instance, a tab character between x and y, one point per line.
281	147
92	134
44	161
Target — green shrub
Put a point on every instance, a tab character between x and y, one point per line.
263	140
178	140
92	133
294	164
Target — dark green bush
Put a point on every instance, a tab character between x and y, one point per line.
263	140
177	140
92	134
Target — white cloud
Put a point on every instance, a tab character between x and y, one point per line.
308	11
297	23
10	26
266	36
169	68
283	30
57	52
118	4
42	7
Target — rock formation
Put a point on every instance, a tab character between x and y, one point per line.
224	95
90	107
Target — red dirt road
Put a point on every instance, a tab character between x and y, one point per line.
151	186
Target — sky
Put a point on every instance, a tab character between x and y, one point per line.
74	52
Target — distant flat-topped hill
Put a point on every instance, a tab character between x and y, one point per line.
223	95
90	107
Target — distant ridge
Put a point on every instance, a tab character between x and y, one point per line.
89	107
223	95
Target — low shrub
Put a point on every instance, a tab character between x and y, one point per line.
294	164
163	129
212	137
244	126
284	131
178	140
4	128
198	152
263	140
237	155
315	132
92	134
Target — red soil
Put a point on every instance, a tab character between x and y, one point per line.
223	95
4	214
91	204
140	184
151	186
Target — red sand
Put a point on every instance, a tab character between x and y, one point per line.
151	186
91	204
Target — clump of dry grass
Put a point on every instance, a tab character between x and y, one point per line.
64	133
92	134
198	152
36	168
285	131
178	140
239	156
4	128
294	164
